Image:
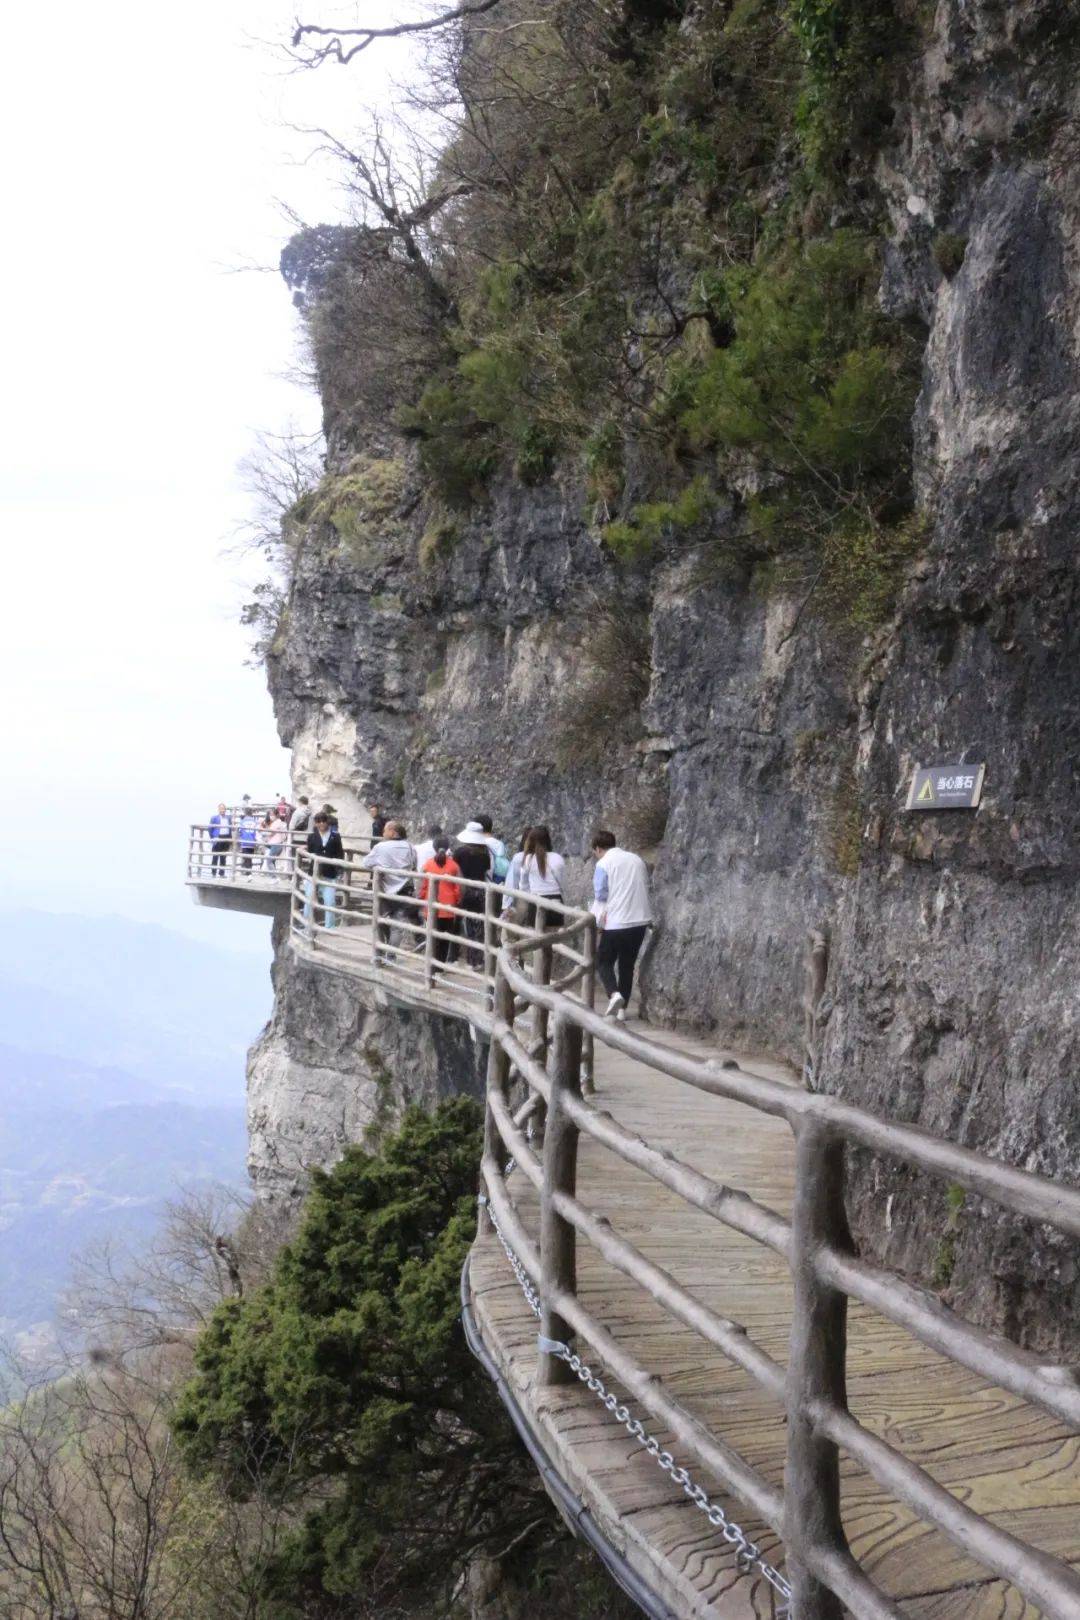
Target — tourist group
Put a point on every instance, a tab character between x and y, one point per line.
444	869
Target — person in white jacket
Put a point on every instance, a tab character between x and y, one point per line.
623	908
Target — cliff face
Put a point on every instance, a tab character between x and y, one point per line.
504	659
335	1066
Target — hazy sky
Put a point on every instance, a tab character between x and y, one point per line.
147	158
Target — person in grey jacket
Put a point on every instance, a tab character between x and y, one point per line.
394	857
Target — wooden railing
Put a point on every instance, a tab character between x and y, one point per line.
811	1388
249	862
354	916
532	993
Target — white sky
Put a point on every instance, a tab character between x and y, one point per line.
147	153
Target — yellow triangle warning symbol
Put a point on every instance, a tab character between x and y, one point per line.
926	793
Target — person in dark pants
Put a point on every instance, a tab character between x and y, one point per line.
323	840
473	856
221	841
623	908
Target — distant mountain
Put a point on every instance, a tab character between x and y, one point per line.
112	993
121	1081
69	1177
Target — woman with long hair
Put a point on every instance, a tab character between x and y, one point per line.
542	871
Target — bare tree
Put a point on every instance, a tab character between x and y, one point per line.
89	1491
98	1520
122	1304
277	472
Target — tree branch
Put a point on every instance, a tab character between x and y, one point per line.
335	50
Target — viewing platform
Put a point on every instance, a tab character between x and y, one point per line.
741	1414
247	878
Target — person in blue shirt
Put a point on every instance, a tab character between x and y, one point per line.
247	839
220	841
500	865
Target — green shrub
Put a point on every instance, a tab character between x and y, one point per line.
639	537
851	49
600	712
863	566
438	540
816	388
457	451
945	1258
815	379
845	825
603	456
363	504
949	250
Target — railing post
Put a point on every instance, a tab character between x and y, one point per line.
817	968
430	925
588	995
491	894
541	974
817	1366
376	908
558	1245
498	1075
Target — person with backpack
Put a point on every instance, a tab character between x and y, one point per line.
220	841
623	908
395	858
440	870
500	863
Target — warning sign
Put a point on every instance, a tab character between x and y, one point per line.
946	787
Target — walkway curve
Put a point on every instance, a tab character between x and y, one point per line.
908	1462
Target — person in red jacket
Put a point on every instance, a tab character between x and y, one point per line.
441	871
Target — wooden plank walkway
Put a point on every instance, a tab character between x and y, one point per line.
1004	1458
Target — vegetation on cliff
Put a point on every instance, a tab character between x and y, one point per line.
643	253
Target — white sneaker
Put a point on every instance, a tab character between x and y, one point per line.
620	1016
614	1004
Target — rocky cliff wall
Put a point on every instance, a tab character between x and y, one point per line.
335	1066
504	659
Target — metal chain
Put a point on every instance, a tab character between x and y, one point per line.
747	1553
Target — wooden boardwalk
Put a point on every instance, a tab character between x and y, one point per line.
985	1451
1001	1455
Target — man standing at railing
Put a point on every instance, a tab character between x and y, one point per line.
220	841
623	908
324	841
395	858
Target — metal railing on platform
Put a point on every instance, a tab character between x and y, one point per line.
529	983
250	856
